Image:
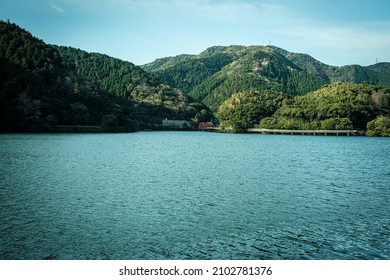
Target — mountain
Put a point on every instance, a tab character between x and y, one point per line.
188	71
215	74
35	83
152	99
42	86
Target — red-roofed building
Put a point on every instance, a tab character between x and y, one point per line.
205	125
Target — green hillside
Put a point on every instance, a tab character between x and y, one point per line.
333	107
258	68
37	87
42	86
185	71
336	106
152	100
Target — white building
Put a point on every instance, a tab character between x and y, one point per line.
176	123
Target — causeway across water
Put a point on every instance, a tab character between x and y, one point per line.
297	131
305	132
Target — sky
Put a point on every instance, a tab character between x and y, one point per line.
336	32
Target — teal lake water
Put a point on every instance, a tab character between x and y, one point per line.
193	195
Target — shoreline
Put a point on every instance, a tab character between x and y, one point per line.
98	129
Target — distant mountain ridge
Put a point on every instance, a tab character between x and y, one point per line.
218	72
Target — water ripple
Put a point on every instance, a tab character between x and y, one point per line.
173	195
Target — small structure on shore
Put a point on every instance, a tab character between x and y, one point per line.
180	124
205	125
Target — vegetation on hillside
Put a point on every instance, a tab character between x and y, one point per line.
380	126
336	106
257	68
42	86
38	89
152	100
244	110
333	107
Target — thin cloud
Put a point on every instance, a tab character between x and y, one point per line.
57	8
346	44
228	10
187	26
223	10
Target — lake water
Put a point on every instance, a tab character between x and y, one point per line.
194	195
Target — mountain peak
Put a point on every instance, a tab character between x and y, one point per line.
219	71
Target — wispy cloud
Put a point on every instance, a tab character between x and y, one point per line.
56	8
222	10
189	26
340	43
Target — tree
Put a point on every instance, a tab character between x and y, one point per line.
245	110
109	123
79	114
337	106
380	126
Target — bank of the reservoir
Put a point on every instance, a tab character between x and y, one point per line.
297	132
307	132
97	129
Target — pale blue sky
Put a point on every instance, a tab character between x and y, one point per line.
335	32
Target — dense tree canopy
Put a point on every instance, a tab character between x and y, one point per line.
333	107
258	70
39	89
244	110
42	86
152	100
215	74
380	126
191	71
336	106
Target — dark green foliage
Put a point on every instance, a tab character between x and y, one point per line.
166	62
39	89
244	110
380	126
257	70
336	106
30	73
109	123
214	75
377	74
151	100
42	86
108	74
185	71
217	73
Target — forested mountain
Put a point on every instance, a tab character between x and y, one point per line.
42	86
237	68
152	100
35	84
188	71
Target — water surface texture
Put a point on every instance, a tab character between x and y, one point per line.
193	195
